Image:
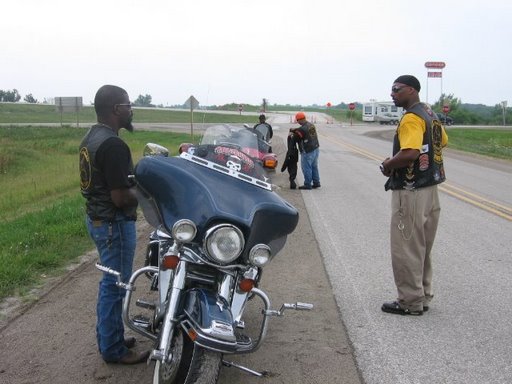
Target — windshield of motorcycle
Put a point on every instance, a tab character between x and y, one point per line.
246	139
235	148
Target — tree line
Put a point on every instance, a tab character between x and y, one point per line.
461	113
473	114
13	96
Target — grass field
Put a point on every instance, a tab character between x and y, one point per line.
41	209
489	142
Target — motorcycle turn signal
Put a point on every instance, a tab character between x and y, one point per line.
170	262
246	285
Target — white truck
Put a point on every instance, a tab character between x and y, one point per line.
384	112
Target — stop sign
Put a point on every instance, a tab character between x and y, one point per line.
351	106
446	109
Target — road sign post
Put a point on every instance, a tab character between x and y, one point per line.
69	104
351	107
439	65
446	109
192	103
329	105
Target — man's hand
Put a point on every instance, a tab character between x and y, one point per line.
386	171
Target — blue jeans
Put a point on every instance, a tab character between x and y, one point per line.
115	242
309	165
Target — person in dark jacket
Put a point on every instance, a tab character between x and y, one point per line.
309	151
111	204
291	159
264	128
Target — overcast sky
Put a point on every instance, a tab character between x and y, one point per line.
287	51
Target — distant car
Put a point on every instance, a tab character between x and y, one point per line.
387	118
445	119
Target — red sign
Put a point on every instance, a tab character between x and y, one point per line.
351	106
446	109
435	64
240	107
329	105
435	74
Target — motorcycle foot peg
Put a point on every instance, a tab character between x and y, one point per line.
298	306
144	304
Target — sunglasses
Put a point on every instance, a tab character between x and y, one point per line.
397	89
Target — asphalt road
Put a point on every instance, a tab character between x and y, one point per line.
466	337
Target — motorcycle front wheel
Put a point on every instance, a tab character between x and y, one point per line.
190	364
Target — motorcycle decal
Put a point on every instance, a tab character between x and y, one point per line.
234	163
235	152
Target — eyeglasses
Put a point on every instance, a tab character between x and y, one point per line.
397	89
124	105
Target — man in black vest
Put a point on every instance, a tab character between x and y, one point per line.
111	204
414	172
309	151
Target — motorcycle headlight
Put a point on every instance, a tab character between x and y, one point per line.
184	231
259	255
224	243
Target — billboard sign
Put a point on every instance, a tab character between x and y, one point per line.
435	64
68	104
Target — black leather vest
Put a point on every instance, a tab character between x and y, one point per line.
428	168
310	140
99	205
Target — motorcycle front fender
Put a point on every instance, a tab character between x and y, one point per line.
209	316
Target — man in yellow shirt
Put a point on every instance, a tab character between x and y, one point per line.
414	172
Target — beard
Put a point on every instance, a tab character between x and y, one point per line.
397	103
129	126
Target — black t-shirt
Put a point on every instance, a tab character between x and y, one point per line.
114	161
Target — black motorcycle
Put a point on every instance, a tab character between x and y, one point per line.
217	225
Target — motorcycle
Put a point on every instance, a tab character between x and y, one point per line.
217	224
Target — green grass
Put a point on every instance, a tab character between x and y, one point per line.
41	242
41	210
490	142
344	115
